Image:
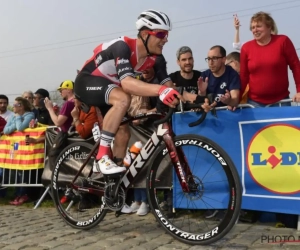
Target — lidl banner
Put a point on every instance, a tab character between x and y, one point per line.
264	144
15	154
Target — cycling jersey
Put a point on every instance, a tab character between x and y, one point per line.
117	59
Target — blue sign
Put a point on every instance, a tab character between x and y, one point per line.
264	146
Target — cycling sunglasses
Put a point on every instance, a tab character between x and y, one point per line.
158	34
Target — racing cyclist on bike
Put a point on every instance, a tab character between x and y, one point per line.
107	80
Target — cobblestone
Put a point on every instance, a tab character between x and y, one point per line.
42	229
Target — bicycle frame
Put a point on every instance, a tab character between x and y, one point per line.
164	133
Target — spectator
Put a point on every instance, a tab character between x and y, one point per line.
187	77
22	117
4	112
2	125
29	96
233	60
139	105
264	55
142	105
220	79
42	114
64	119
19	122
236	42
151	102
224	83
83	122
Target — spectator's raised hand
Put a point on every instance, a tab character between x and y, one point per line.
31	140
208	107
236	22
226	97
48	103
75	112
202	85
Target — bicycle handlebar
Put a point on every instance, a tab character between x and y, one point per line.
166	118
181	107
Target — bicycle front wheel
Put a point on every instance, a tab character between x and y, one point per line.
210	209
77	206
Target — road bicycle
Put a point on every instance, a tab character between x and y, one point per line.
192	173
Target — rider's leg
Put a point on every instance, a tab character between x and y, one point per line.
113	103
120	143
120	102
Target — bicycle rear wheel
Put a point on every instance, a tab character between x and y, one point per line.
185	214
77	207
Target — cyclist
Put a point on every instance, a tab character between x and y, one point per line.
107	81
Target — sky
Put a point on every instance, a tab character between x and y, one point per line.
44	42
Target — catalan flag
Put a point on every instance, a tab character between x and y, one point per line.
15	154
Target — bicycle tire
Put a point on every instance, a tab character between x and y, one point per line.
82	148
234	204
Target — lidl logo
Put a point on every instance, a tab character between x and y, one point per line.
273	158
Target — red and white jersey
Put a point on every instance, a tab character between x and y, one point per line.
117	59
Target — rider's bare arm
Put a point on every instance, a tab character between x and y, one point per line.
137	87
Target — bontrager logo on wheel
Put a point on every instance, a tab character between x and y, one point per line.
273	157
200	144
185	235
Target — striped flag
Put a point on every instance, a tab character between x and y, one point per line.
15	154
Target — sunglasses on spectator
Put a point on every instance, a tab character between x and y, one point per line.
17	104
214	59
158	34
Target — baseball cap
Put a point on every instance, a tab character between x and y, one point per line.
68	84
183	50
44	93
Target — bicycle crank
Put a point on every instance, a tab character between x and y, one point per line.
114	196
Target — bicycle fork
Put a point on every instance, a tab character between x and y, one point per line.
180	164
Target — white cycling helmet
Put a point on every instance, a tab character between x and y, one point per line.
153	19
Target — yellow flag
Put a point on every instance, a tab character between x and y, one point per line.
15	154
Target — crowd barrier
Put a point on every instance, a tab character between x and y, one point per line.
28	165
263	144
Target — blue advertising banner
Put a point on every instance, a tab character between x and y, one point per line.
264	144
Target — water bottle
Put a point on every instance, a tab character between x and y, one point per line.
132	153
96	132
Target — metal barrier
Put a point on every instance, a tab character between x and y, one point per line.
25	178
